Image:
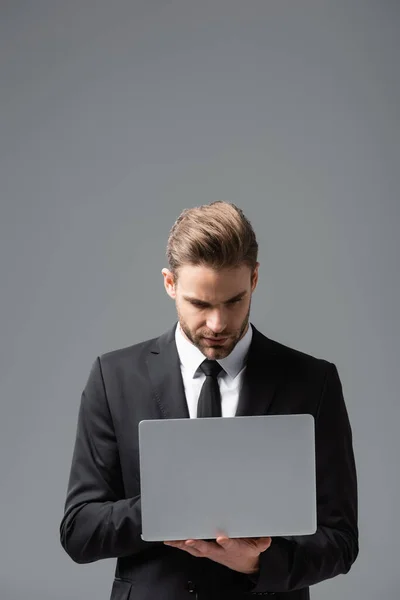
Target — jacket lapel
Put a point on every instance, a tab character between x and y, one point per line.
166	378
261	377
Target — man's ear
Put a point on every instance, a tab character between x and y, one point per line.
169	283
254	277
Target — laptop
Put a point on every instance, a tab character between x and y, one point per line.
250	476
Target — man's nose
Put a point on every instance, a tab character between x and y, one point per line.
216	321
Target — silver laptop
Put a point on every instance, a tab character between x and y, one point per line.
242	476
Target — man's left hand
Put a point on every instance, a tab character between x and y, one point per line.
239	554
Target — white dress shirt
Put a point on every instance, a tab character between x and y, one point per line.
230	380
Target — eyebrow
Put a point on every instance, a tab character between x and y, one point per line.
197	301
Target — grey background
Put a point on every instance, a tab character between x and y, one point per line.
114	117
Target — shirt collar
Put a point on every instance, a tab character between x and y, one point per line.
191	357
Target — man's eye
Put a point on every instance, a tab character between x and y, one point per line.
231	303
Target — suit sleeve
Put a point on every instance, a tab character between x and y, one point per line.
98	522
292	563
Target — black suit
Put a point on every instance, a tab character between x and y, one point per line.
102	511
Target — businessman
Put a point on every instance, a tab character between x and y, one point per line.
212	362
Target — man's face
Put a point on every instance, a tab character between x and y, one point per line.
213	306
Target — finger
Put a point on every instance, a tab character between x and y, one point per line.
192	551
205	548
263	543
181	545
175	543
226	543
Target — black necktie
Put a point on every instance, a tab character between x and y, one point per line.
209	404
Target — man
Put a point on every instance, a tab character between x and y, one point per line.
211	363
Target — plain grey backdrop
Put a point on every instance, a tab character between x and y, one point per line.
114	117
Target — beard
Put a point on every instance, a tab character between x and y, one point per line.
215	351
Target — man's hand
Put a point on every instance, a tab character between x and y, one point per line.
239	554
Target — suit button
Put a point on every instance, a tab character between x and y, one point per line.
191	587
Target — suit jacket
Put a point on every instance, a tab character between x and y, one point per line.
102	517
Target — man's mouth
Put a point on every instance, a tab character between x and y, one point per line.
216	340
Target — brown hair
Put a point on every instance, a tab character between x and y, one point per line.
217	235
